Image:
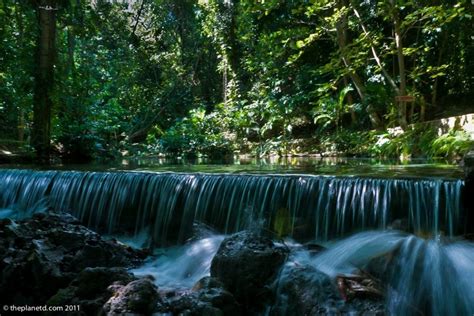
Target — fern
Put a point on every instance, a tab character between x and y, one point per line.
452	144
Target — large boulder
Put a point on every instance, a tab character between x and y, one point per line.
137	297
42	254
246	263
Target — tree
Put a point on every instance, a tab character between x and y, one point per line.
44	78
112	75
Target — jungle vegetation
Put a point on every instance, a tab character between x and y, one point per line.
85	79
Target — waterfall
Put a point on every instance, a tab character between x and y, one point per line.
180	267
301	206
432	276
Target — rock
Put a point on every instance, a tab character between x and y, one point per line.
246	264
91	282
211	290
42	254
207	283
208	297
89	289
314	248
201	231
190	305
303	290
139	297
468	192
400	224
383	267
351	287
468	163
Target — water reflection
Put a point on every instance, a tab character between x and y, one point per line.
280	165
305	165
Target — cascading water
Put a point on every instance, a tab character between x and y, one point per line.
434	277
422	276
180	267
305	207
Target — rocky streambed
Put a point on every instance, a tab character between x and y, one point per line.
51	259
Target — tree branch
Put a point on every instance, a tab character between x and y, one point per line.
376	56
137	19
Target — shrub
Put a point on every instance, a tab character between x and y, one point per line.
453	144
198	134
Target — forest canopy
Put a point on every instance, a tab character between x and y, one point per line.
87	79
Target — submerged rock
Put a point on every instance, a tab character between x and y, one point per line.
42	254
200	231
400	224
246	263
313	248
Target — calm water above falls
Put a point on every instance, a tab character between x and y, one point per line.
339	166
360	167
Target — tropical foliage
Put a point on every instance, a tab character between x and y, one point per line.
218	77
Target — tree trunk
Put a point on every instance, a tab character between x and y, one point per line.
21	126
71	45
402	106
441	49
384	71
422	109
137	18
233	43
350	101
231	50
21	45
44	79
390	80
341	29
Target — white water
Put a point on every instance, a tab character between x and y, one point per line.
19	211
6	213
180	267
347	255
421	277
431	277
